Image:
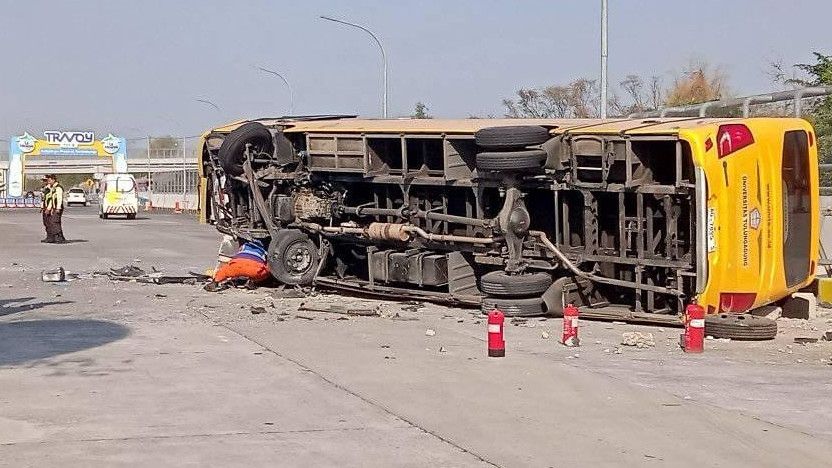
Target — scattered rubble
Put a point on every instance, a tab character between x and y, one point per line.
430	332
638	339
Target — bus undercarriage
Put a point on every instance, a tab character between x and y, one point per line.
515	217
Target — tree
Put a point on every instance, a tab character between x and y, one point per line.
578	99
819	74
421	111
698	83
642	96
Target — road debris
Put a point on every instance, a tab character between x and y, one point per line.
638	339
430	332
54	276
258	310
544	335
341	309
290	293
128	270
412	306
805	340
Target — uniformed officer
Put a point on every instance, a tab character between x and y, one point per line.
54	204
44	193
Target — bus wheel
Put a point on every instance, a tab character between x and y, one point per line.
511	137
515	307
522	160
293	258
740	327
501	284
232	150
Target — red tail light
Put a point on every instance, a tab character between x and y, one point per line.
736	302
733	137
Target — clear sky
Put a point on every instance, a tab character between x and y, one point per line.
136	67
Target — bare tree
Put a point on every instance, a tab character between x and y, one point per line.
700	82
577	99
655	92
633	87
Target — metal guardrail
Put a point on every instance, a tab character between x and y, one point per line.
701	109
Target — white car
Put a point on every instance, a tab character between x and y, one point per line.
76	196
118	196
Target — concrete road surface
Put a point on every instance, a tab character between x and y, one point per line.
101	373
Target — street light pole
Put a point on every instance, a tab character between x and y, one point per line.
383	58
603	59
288	86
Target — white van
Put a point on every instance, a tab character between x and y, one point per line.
118	196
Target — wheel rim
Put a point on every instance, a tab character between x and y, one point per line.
297	259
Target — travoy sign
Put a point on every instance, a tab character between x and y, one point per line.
69	139
61	143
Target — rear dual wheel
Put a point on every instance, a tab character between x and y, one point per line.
518	295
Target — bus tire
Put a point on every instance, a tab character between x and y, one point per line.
522	160
515	306
740	327
512	137
501	284
293	258
233	148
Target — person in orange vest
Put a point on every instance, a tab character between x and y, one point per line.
249	264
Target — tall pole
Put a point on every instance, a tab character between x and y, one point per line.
184	174
149	186
383	59
288	86
603	59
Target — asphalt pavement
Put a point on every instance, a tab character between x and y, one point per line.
101	373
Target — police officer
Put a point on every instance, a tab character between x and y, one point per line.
44	194
53	210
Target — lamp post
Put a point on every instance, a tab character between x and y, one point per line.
603	59
383	58
288	87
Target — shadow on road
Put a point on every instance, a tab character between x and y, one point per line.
31	340
22	304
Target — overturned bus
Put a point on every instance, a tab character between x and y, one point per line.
630	219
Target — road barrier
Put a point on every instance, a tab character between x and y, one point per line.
20	202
